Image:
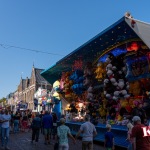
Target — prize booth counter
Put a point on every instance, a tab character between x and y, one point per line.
108	77
120	133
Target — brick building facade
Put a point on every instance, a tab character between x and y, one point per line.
29	86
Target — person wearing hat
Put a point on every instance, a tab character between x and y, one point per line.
140	142
63	132
88	131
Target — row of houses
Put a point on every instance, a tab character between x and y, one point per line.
23	97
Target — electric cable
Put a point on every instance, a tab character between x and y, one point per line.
6	46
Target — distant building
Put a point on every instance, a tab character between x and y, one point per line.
9	101
25	93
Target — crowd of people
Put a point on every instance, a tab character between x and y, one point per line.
25	121
46	123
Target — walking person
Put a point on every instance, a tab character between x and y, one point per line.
29	120
129	136
5	129
140	142
11	121
63	132
24	122
36	125
54	129
88	131
16	122
41	116
1	113
47	123
109	138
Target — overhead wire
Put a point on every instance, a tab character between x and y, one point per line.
6	46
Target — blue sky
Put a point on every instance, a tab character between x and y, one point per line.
58	27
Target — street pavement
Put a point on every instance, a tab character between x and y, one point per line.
22	141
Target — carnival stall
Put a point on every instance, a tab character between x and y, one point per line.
108	77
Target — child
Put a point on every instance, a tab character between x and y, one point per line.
109	138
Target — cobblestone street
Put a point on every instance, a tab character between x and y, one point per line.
22	141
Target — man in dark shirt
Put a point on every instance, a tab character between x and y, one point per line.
47	122
16	119
41	116
36	125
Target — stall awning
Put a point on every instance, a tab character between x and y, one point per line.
119	33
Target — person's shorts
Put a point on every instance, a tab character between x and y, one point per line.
87	145
47	131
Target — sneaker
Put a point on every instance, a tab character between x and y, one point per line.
7	148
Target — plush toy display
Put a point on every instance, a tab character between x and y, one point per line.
115	83
111	90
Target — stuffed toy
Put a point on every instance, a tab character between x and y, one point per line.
90	93
125	121
110	122
128	108
102	111
88	74
77	78
56	86
62	81
135	88
88	69
67	86
144	83
118	119
55	91
100	71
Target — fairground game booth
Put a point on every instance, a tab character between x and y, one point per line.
108	77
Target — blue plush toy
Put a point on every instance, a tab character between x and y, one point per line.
78	78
